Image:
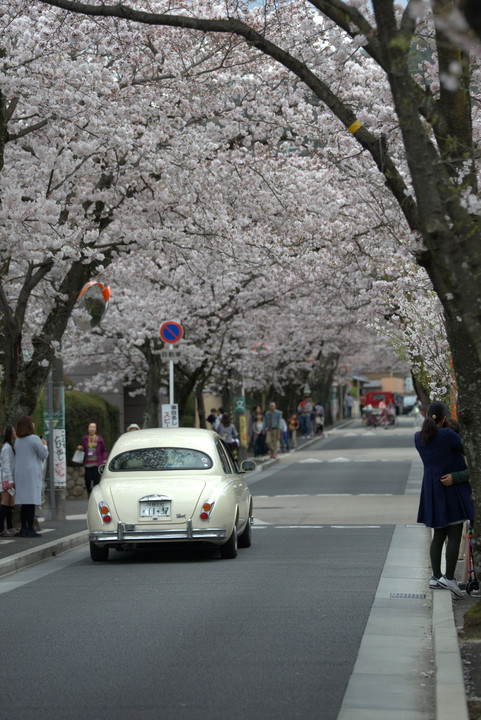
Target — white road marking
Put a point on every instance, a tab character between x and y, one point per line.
273	497
310	460
357	527
298	527
292	496
334	495
321	527
375	495
339	460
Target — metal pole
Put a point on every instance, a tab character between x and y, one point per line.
171	382
51	473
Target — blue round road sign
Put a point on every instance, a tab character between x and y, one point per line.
171	332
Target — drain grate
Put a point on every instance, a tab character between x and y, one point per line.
409	596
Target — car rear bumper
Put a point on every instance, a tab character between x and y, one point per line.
131	534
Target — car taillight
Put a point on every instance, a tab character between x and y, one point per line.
105	512
206	509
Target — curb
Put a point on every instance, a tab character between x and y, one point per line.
450	694
27	558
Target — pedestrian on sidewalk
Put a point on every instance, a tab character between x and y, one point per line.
251	435
30	452
257	438
304	410
217	423
293	428
284	436
212	418
7	471
319	418
132	427
272	428
227	430
349	402
95	454
442	507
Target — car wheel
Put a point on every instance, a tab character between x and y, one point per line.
245	538
229	549
99	553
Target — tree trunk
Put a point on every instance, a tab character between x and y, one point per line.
420	391
199	396
468	380
188	387
152	385
24	379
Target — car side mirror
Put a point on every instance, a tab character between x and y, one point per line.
101	469
248	465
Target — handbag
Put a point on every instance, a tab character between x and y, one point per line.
78	456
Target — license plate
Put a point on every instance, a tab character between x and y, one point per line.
155	508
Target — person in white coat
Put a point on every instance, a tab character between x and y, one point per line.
7	472
30	452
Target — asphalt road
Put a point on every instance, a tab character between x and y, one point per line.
182	634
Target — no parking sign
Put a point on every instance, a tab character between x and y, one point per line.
171	332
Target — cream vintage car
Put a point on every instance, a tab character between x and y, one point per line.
170	485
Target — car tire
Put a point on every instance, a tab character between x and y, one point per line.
228	550
99	553
245	538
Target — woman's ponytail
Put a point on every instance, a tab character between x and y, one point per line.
435	413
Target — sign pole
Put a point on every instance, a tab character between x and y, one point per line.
171	382
51	471
171	333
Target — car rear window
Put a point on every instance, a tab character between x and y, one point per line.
165	458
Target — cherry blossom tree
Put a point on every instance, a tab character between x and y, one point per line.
92	125
425	149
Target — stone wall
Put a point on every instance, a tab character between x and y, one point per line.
75	482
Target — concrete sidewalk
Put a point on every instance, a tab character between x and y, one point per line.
57	536
409	664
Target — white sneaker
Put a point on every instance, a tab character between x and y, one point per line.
450	585
434	583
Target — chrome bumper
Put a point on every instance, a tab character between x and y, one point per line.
131	534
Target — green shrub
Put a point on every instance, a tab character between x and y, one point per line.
189	412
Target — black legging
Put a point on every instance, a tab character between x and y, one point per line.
27	516
6	513
453	533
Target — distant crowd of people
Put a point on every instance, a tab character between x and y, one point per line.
268	431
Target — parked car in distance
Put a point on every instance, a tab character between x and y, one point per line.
409	401
170	485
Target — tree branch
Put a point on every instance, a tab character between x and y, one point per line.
346	116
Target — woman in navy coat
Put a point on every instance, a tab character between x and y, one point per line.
443	508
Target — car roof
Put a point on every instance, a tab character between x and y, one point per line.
195	438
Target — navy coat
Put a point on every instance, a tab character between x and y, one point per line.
439	505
